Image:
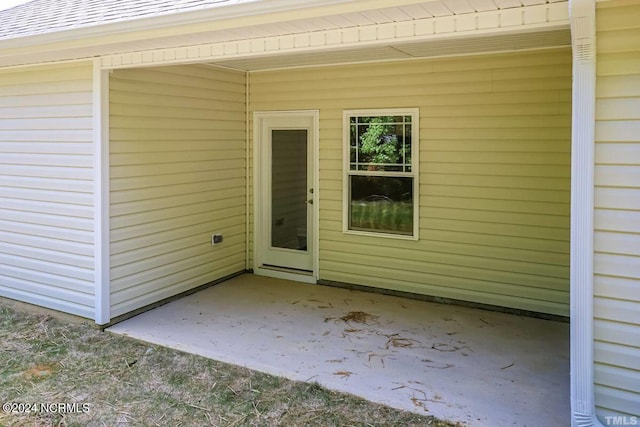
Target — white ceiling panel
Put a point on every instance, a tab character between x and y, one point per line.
459	7
397	14
508	4
416	11
316	58
483	5
437	8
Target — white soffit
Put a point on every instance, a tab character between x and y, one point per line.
437	28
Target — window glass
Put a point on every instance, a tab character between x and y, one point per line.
381	172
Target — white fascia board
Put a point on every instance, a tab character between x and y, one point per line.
239	10
583	35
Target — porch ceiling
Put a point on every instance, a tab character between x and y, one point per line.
396	51
426	29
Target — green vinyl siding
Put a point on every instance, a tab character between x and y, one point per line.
494	174
177	154
617	210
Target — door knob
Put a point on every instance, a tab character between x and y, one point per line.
309	202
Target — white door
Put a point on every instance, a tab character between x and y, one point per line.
285	193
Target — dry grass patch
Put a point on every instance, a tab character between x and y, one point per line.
130	383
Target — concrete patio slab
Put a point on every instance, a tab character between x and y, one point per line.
474	366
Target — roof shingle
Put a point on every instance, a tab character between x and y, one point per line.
48	16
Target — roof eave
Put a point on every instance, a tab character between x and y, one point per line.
233	10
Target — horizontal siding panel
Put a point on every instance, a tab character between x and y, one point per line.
48	124
617	131
72	148
41	135
200	172
617	310
181	265
56	173
616	355
627	334
617	198
514	206
542	172
43	195
46	187
620	243
617	176
485	192
618	108
445	255
49	208
121	249
45	112
448	266
617	86
181	254
619	63
175	135
515	147
620	378
177	156
618	40
145	229
57	298
23	103
616	402
221	111
222	194
477	292
47	231
173	285
475	182
224	208
617	265
128	104
45	87
622	288
617	220
45	159
42	242
48	266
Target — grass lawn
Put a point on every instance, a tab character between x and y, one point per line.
118	381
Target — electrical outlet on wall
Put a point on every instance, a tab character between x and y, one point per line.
216	239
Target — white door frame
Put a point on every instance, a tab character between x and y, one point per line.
258	166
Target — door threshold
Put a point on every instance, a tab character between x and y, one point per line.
296	275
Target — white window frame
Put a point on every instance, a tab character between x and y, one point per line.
415	173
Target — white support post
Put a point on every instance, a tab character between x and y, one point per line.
101	192
583	34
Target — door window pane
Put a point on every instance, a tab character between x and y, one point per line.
289	189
